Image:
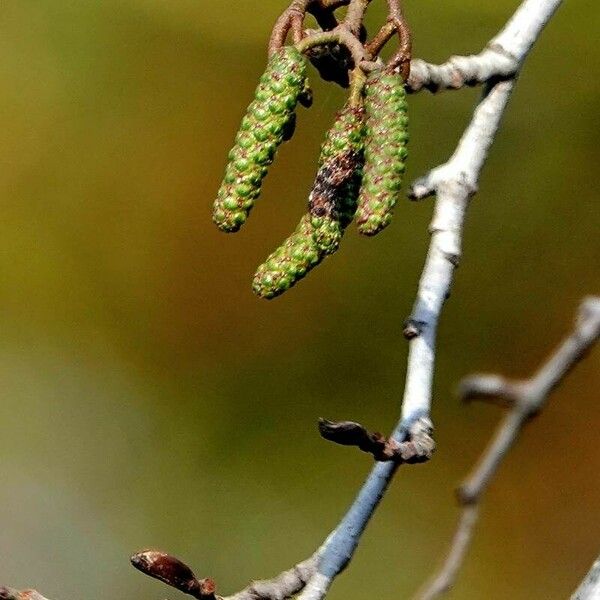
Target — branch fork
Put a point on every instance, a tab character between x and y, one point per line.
340	46
524	399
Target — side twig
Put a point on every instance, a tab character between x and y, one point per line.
418	448
500	59
590	586
175	573
525	399
10	594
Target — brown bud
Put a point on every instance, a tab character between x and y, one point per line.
173	572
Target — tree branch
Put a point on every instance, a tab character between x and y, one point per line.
525	399
10	594
177	574
500	59
453	183
285	585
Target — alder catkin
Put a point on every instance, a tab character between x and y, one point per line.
332	203
269	120
289	263
385	151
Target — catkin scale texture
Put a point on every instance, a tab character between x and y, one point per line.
385	151
332	204
269	120
289	263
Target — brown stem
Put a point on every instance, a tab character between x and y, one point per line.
291	18
382	37
400	60
355	15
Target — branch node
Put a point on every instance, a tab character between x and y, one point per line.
466	495
413	328
419	446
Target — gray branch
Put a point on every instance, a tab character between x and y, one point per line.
453	184
285	585
10	594
525	399
500	59
590	586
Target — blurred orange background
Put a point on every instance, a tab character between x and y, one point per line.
150	400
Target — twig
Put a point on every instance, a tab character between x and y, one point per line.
175	573
419	446
290	19
285	585
590	586
355	15
525	398
10	594
402	58
500	59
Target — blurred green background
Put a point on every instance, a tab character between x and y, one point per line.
150	400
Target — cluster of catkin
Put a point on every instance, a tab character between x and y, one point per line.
360	168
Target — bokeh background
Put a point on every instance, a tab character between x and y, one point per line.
148	399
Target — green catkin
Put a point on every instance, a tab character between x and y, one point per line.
269	121
385	151
332	201
289	263
332	204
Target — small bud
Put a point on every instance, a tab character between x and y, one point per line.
173	572
333	62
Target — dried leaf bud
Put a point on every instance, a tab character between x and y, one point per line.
173	572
